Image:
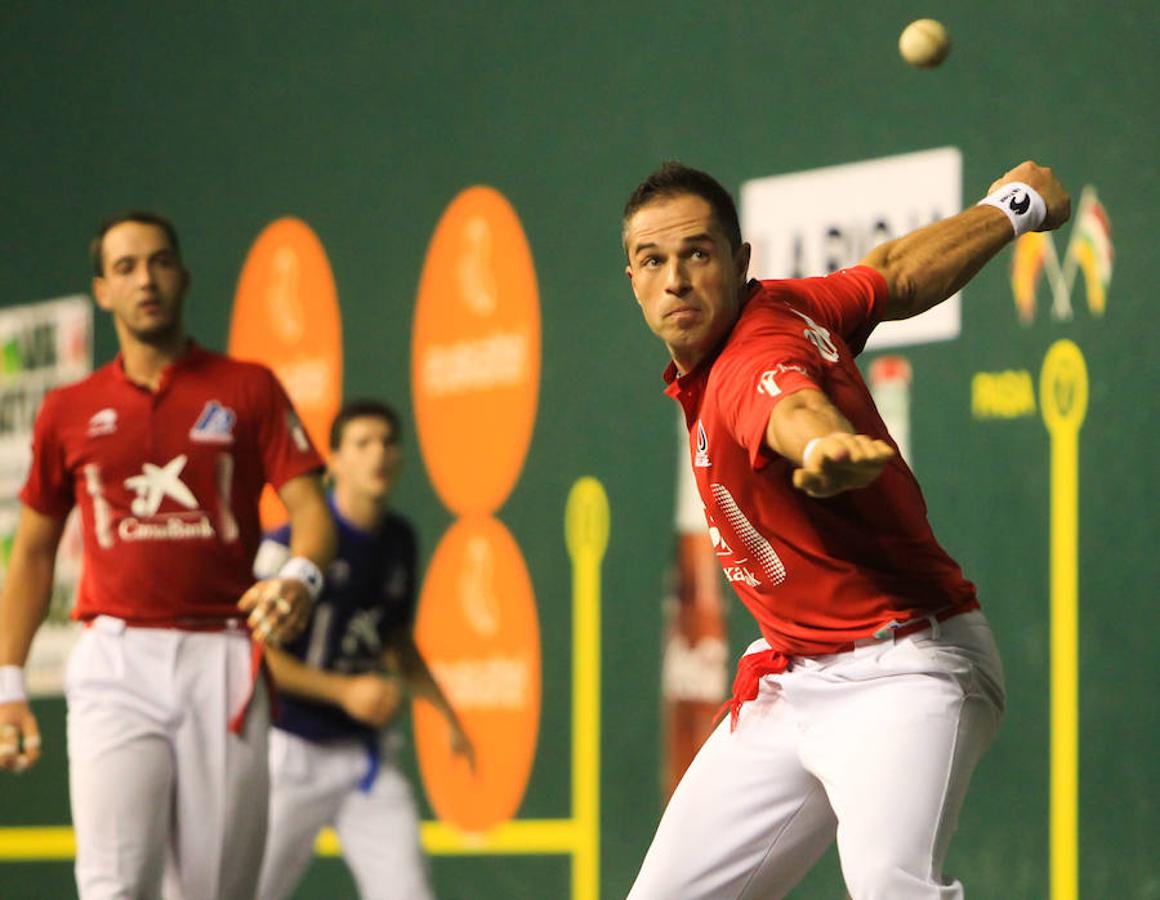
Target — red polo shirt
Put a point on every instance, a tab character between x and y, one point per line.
816	574
167	482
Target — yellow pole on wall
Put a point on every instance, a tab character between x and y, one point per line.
1063	398
586	526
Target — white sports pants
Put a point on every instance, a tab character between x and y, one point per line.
875	746
158	783
313	785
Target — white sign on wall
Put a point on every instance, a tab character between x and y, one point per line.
822	220
42	345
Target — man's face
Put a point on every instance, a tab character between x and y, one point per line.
143	283
686	278
367	459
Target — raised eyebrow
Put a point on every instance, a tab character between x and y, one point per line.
646	245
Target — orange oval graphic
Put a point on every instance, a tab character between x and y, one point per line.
286	315
475	352
478	629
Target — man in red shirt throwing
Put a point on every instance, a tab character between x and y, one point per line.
876	685
165	450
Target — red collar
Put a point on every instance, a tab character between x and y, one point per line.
193	354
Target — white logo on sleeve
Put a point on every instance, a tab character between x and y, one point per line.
767	380
819	337
767	383
155	483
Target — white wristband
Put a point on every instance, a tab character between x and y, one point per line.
12	684
1021	203
809	447
302	569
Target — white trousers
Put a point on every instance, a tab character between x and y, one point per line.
313	785
875	746
159	786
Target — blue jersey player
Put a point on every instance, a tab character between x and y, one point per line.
332	756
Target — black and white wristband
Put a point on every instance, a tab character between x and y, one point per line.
1021	204
302	569
12	688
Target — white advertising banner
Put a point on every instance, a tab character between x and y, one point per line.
42	345
821	220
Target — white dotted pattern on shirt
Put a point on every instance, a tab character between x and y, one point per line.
757	545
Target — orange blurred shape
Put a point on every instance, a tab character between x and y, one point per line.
479	631
475	352
286	315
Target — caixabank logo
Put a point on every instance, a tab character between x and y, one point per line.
1089	251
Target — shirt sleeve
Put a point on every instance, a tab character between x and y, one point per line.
49	486
850	301
789	345
772	363
284	444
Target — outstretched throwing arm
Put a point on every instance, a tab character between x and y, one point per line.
928	265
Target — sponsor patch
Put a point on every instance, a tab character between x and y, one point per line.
214	425
103	422
701	459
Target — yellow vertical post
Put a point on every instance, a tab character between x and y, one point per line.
1063	390
586	525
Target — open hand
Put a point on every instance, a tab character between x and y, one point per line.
841	462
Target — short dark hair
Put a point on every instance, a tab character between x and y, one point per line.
96	246
674	178
361	409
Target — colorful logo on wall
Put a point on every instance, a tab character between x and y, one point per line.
475	364
1089	250
475	374
286	315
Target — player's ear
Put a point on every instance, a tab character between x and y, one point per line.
741	262
99	293
628	274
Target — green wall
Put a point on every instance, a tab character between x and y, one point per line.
365	120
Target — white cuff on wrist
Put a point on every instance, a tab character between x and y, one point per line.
302	569
12	684
1021	204
813	442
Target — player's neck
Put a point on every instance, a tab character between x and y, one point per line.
361	510
144	362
